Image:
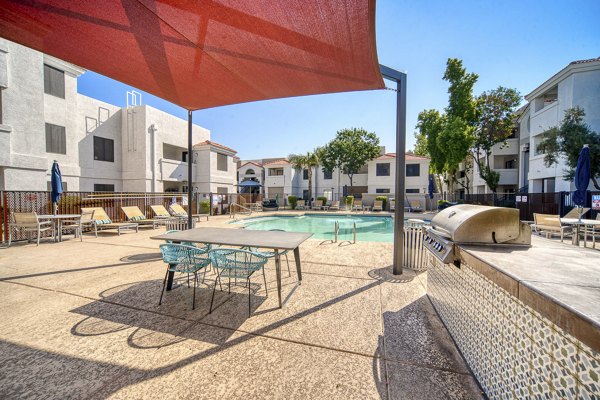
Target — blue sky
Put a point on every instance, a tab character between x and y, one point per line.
516	44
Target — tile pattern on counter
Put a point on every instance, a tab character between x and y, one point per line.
512	350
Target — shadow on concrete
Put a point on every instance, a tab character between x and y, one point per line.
385	274
419	357
136	305
71	270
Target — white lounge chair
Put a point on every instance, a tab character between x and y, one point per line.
318	205
103	221
377	205
357	205
134	214
29	223
301	205
178	211
574	213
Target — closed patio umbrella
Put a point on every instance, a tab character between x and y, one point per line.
56	183
431	188
582	177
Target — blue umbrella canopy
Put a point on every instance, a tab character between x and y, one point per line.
431	187
56	181
249	184
582	176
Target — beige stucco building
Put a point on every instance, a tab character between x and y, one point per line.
99	146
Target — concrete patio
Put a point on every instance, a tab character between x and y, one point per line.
82	320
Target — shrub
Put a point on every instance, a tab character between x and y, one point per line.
323	199
384	199
348	201
293	200
205	207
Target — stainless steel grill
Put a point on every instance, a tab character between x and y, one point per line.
471	224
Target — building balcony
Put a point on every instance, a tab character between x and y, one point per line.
545	119
508	176
172	170
507	148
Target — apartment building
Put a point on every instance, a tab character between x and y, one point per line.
578	84
279	178
382	174
99	146
504	159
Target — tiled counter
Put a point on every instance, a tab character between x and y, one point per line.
527	321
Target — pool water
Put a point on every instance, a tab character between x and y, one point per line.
368	228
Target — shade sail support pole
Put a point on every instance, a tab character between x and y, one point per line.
190	160
400	79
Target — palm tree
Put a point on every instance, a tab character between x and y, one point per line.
306	161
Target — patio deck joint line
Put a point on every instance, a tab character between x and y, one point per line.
382	326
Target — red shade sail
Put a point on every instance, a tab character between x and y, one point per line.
202	54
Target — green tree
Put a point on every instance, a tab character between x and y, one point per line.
421	145
494	121
469	127
567	140
349	151
460	92
306	161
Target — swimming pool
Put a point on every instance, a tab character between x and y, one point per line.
368	228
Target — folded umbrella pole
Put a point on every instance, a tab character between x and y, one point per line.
582	178
57	187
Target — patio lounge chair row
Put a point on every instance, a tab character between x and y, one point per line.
96	218
318	205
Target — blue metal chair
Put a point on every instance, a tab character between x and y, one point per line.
236	263
271	254
183	259
202	246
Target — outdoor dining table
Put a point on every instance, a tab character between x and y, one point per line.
57	221
276	240
578	223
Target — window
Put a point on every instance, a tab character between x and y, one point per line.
184	156
250	172
305	194
104	149
222	190
305	174
49	186
364	169
412	190
382	190
56	140
462	174
327	174
510	164
221	162
383	169
54	81
104	187
275	171
413	169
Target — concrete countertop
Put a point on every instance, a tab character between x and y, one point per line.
558	280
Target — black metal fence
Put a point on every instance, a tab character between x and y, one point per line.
556	203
